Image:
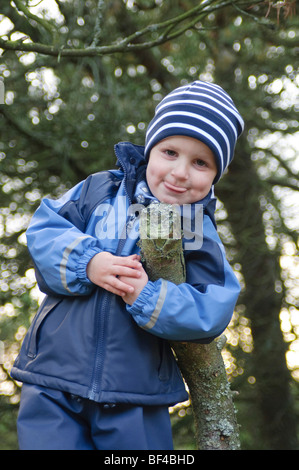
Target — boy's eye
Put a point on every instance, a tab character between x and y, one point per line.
200	162
170	153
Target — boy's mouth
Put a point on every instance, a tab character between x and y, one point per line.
176	189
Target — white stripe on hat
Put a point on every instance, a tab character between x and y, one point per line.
205	105
198	103
212	88
215	89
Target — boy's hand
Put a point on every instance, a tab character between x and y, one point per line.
137	283
114	273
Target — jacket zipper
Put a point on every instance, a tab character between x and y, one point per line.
101	332
101	327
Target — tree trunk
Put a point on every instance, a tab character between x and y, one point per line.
274	402
201	365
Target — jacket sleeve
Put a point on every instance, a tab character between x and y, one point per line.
197	310
59	247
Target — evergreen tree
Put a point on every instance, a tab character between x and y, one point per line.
64	111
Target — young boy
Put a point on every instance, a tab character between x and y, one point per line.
97	369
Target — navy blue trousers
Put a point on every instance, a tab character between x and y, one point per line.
53	420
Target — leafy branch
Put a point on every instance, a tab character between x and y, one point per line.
283	182
30	16
152	35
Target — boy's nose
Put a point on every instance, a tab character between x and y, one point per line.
180	171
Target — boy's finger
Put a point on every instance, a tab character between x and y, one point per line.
117	292
117	289
129	263
124	288
117	286
125	271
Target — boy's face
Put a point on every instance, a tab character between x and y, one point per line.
181	170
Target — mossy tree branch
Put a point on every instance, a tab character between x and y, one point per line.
152	35
201	365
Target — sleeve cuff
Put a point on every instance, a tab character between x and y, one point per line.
145	297
83	262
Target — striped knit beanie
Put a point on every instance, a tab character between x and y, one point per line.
203	111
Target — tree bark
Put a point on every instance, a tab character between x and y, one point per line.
274	400
201	365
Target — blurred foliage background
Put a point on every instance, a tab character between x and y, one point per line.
65	108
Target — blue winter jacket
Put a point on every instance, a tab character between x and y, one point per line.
87	341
